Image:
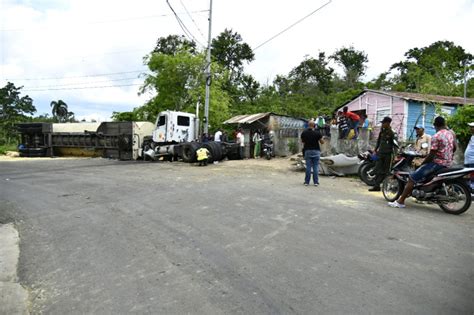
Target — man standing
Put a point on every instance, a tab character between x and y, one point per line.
440	156
422	145
218	135
342	125
311	139
384	151
353	120
240	139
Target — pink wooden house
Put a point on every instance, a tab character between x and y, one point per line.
406	109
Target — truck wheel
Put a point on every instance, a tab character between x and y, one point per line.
218	156
189	152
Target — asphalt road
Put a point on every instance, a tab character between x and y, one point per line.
240	237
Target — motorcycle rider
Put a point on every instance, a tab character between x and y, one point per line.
420	146
441	156
384	150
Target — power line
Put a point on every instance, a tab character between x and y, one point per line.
81	88
183	27
105	21
80	83
297	22
79	76
190	16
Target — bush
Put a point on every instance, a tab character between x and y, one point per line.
7	147
293	146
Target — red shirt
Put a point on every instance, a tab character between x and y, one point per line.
352	116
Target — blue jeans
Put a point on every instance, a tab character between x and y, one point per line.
312	165
424	171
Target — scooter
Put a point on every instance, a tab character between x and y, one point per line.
448	188
366	170
268	149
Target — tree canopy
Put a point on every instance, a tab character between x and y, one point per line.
13	109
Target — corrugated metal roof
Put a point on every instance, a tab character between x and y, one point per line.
430	98
453	100
246	119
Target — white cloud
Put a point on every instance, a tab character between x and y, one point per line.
75	38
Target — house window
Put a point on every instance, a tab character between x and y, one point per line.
381	113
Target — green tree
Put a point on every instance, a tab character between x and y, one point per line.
436	69
13	109
60	111
229	50
124	116
178	82
458	122
353	62
172	44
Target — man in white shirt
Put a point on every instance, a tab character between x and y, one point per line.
218	135
240	139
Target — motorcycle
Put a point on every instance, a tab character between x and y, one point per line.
268	149
448	188
366	170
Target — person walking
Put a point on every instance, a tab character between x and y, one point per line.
257	140
441	155
311	139
384	150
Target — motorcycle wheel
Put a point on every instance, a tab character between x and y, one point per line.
461	195
365	173
392	188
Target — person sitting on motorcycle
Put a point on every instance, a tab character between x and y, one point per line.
422	145
441	155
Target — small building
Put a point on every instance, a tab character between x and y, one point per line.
406	109
286	131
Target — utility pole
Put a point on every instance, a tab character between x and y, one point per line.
465	82
208	73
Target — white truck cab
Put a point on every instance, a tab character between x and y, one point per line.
174	127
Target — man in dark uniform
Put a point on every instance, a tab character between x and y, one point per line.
384	151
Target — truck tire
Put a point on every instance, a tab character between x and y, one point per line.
218	156
212	152
189	152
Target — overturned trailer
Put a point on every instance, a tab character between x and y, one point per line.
117	140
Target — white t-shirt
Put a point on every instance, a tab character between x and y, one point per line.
241	139
217	136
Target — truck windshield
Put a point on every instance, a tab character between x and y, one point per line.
161	121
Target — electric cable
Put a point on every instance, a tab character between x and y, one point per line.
297	22
79	76
184	28
80	83
81	88
190	16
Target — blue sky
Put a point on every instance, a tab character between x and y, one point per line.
59	49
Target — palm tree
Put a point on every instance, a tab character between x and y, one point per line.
59	110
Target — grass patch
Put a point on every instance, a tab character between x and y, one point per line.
7	147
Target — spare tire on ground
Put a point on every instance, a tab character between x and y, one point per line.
233	151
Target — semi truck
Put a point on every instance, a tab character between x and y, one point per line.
173	137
